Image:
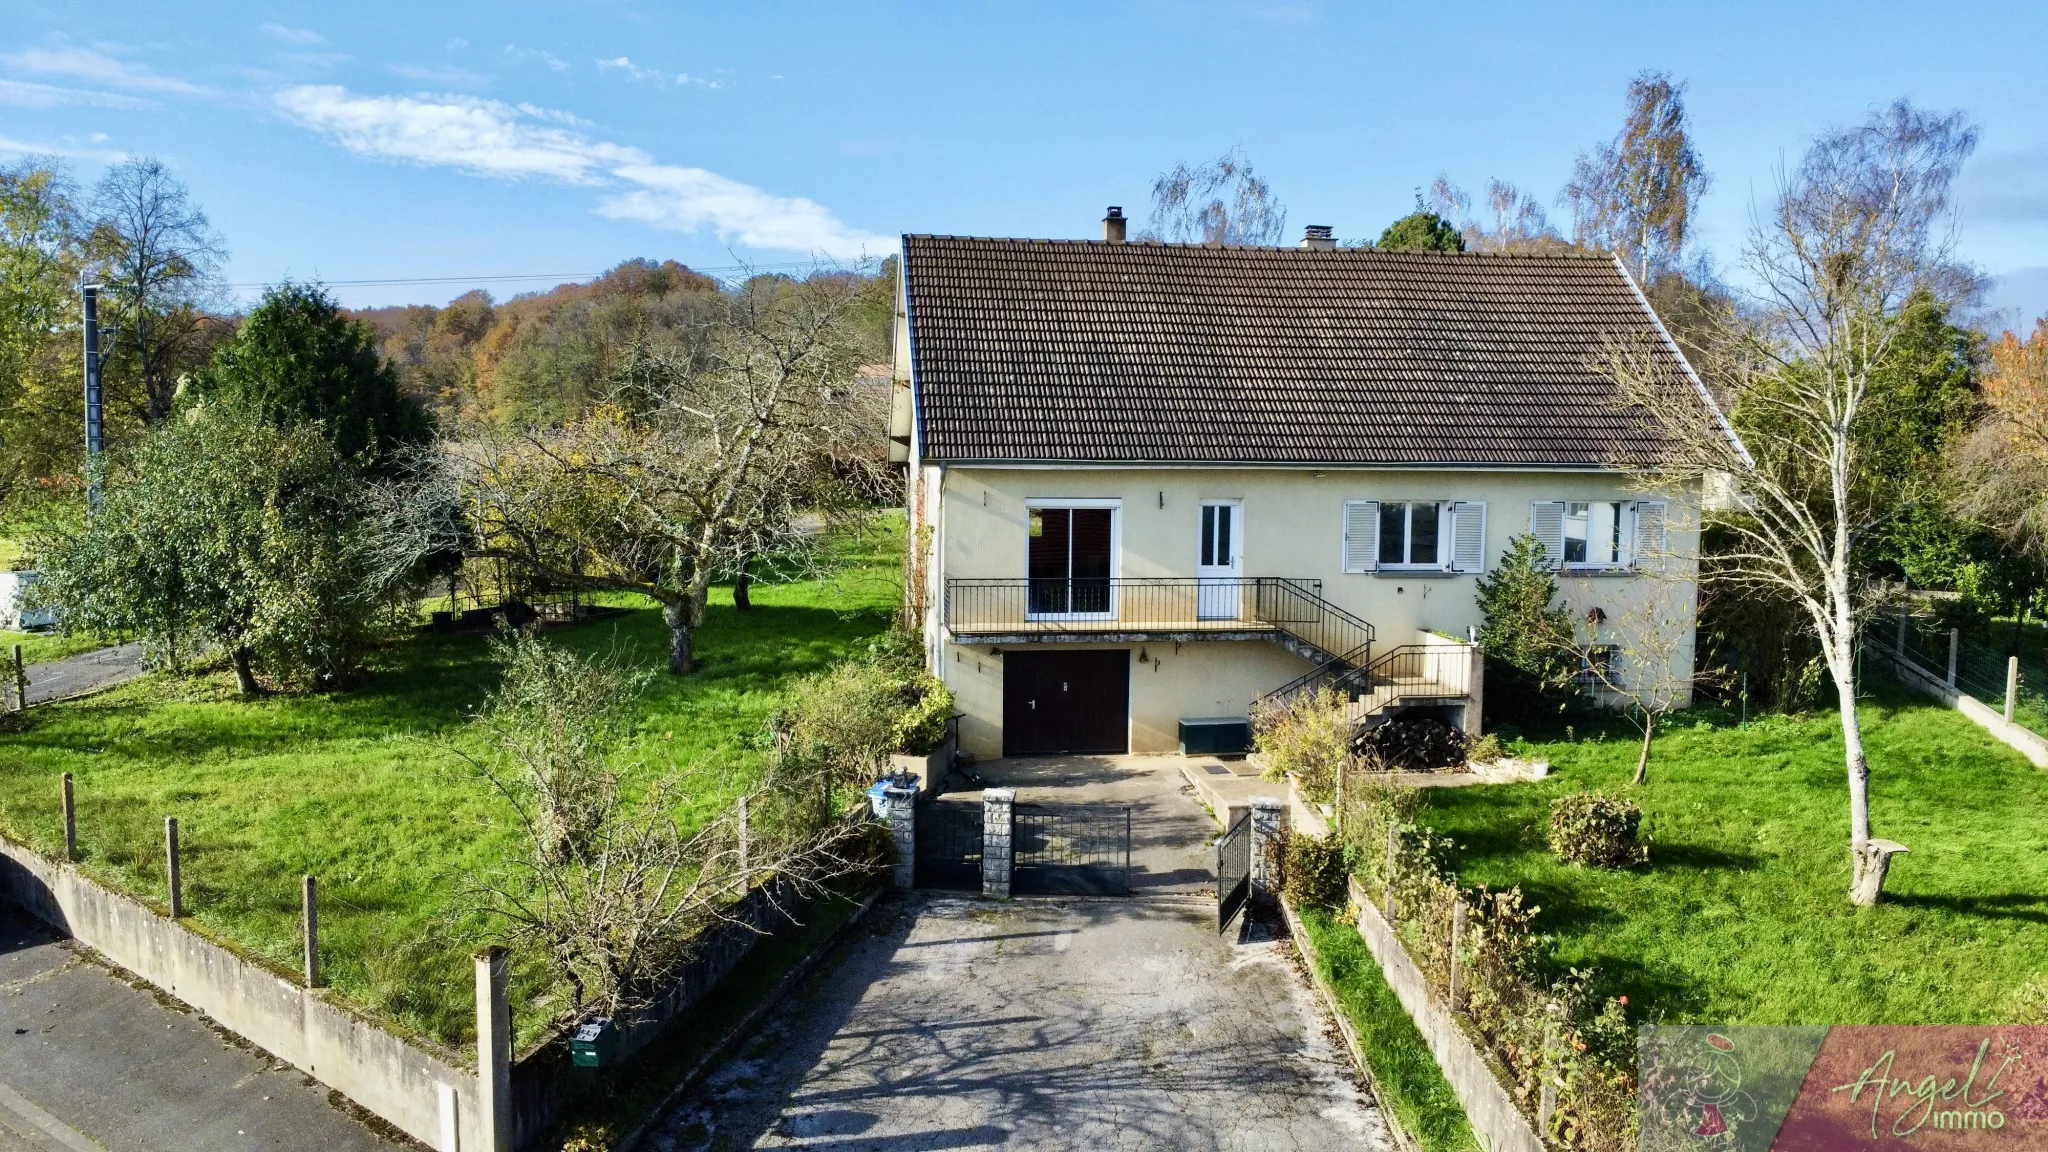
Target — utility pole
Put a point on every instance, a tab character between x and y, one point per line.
95	426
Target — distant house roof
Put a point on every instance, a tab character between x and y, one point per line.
1094	352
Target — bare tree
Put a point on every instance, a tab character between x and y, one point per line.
1639	658
742	450
1220	202
160	257
1517	221
1858	227
1634	195
610	887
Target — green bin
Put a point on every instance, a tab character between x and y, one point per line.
594	1043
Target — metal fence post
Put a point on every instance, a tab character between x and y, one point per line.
1955	638
171	860
20	681
1900	645
310	917
70	821
746	845
2012	684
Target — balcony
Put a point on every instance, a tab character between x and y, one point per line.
1288	611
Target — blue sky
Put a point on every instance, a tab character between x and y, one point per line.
377	140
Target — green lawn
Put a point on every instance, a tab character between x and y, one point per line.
363	790
1742	915
1411	1085
39	647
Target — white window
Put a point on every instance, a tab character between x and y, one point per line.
1598	533
1411	534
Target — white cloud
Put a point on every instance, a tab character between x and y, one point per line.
23	94
633	71
291	35
436	74
492	138
555	63
86	64
28	148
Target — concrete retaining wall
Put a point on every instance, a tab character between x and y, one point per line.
1500	1126
2023	740
399	1081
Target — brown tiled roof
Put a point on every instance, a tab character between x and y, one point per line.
1050	350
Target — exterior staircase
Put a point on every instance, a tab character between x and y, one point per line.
1412	675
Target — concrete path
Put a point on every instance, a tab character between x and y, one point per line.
83	673
1082	1024
89	1063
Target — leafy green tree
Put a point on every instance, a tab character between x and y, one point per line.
299	359
1422	231
1527	636
221	530
40	405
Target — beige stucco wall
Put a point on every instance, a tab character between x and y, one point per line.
1292	526
1173	682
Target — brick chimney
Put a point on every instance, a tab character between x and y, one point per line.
1318	236
1113	225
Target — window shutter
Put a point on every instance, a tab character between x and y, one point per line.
1650	531
1468	536
1361	535
1546	523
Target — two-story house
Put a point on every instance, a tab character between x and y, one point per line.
1151	483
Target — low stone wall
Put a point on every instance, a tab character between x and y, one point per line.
1500	1126
400	1081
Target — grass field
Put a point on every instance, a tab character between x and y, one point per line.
1742	915
363	788
39	647
1411	1085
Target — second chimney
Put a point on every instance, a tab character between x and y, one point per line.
1113	225
1318	236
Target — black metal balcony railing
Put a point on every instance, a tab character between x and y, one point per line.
1157	604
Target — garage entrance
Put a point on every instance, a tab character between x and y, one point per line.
1056	702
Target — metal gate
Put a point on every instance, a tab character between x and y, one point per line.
1071	849
949	845
1233	870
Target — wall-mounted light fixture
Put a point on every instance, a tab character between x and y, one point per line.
1162	497
1143	658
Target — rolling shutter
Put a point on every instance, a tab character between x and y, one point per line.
1650	530
1361	535
1546	523
1468	536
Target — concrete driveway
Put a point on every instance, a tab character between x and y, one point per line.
89	1063
1171	835
1042	1024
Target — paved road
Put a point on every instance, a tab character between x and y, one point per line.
82	673
89	1063
1084	1024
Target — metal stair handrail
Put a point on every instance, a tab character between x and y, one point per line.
1360	679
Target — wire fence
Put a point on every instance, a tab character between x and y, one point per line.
1970	666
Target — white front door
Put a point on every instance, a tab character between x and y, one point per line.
1218	587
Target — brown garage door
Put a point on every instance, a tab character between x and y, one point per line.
1057	701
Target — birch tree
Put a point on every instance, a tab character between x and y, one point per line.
1221	202
1859	225
1634	195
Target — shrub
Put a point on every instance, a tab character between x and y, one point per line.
1598	829
1527	640
1307	735
1312	871
1414	744
860	712
1486	750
